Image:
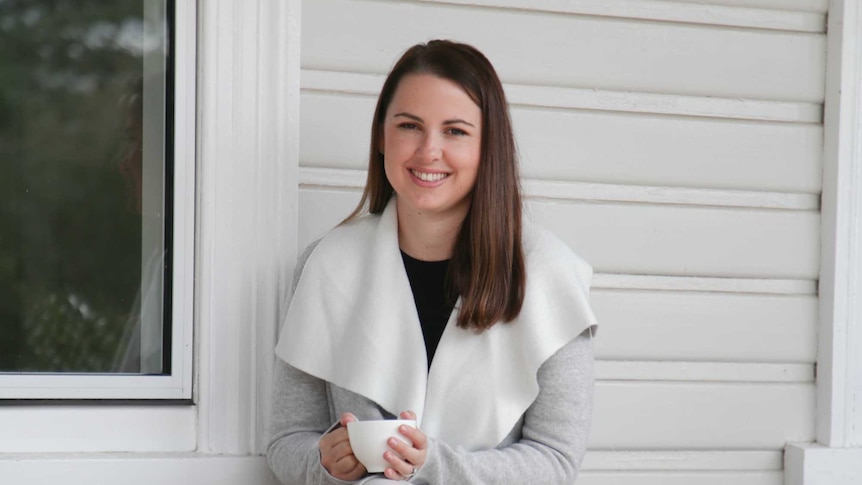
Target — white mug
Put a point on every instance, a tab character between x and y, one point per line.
369	440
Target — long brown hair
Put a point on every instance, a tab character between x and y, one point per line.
487	266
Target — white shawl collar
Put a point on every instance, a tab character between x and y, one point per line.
353	322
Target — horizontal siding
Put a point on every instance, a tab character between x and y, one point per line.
681	478
604	147
820	6
673	416
647	239
698	326
320	210
762	286
574	190
687	241
602	53
668	151
676	371
749	467
597	99
658	325
714	460
675	145
734	16
570	190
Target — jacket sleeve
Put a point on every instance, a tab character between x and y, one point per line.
553	438
300	416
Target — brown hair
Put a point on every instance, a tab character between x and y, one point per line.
487	266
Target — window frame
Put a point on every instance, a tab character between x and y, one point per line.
178	385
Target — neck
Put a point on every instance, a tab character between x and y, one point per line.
428	237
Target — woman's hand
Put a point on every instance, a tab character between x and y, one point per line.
336	455
406	459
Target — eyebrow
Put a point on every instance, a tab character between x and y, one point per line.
447	122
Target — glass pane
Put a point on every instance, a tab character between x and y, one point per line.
83	91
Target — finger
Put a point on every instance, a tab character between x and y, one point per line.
347	464
331	455
356	472
347	418
341	450
399	466
348	469
420	441
407	453
393	475
408	415
333	438
338	459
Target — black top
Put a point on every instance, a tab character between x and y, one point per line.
428	283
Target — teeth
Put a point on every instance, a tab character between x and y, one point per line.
429	177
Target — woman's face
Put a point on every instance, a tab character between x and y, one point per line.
431	146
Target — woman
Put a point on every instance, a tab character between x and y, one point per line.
439	304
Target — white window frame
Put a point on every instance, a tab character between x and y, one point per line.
243	128
177	385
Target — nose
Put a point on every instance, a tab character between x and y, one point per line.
431	148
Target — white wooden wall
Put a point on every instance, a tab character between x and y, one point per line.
674	145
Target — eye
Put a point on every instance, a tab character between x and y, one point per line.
408	126
457	132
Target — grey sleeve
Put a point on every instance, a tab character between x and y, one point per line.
553	438
300	416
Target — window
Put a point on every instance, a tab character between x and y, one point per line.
96	208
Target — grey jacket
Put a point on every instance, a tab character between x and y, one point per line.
545	447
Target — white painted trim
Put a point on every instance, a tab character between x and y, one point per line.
277	204
683	460
185	194
836	458
814	464
597	99
310	177
95	428
144	469
703	371
664	11
247	237
839	390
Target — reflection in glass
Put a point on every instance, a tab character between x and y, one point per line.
82	186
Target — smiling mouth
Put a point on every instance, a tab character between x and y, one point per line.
428	177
